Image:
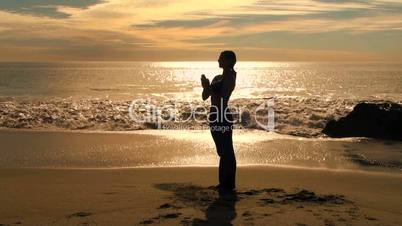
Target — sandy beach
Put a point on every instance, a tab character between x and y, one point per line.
85	178
181	196
166	177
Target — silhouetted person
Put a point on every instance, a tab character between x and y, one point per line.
220	118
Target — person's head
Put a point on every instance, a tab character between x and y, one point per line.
227	59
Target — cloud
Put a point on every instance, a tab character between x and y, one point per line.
44	7
80	27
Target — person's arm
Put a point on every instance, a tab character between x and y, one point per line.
206	92
220	84
216	85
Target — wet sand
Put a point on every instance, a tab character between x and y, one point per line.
79	178
166	148
182	196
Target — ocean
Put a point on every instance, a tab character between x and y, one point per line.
127	80
97	95
102	97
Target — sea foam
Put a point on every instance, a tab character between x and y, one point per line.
304	117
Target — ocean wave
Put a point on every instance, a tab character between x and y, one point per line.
304	117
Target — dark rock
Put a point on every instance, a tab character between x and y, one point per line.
374	120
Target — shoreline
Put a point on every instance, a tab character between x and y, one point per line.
188	148
155	132
246	167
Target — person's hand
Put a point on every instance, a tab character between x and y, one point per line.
204	81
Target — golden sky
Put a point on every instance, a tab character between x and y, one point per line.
302	30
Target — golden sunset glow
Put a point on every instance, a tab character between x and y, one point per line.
190	30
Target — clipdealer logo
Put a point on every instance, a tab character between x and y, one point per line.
147	111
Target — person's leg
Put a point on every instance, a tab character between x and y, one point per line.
227	164
217	137
232	166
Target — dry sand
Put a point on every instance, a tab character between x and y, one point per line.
181	196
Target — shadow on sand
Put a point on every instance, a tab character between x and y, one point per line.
218	206
257	207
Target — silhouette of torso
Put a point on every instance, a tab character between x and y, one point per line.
222	87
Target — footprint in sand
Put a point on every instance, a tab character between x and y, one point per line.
147	222
168	206
171	215
80	214
77	218
162	217
109	193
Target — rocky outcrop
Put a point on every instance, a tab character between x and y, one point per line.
375	120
